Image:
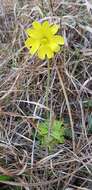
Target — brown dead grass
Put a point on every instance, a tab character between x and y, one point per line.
23	81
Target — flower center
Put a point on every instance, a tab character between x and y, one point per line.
44	41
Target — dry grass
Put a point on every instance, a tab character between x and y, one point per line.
23	81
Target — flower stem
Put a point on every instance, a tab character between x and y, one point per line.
47	89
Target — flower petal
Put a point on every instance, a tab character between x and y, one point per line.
28	43
45	50
45	25
49	53
59	39
57	49
34	33
54	28
29	31
35	47
41	52
36	25
53	44
46	31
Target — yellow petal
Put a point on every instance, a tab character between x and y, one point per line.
28	42
41	52
59	39
54	28
45	25
46	31
35	47
36	25
33	33
53	44
57	49
29	31
49	53
45	51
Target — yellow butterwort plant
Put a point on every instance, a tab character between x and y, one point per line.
43	40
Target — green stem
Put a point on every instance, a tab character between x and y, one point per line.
47	89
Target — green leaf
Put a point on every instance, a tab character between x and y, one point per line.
88	103
4	178
57	130
90	123
68	133
56	133
43	130
57	125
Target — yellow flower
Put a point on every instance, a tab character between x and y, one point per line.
42	39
